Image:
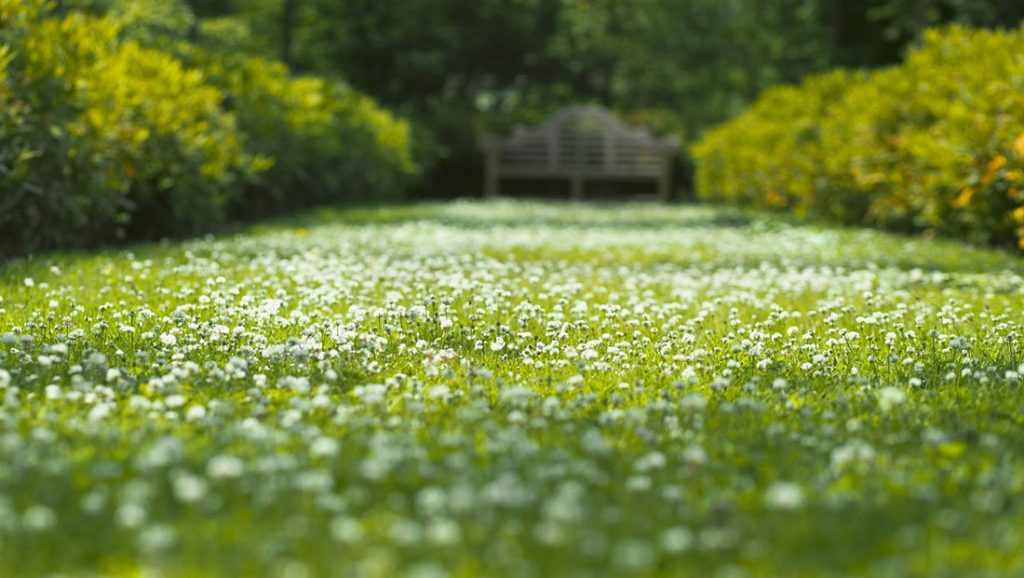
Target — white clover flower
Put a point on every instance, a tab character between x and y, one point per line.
695	456
168	339
5	378
444	532
324	447
93	502
346	530
99	412
784	496
39	518
634	555
224	467
890	397
157	538
131	515
498	344
195	413
851	453
189	489
676	540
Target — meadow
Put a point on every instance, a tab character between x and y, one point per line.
519	390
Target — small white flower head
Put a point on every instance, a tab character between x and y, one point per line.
157	538
346	530
634	555
498	344
890	397
224	467
168	339
676	540
784	496
131	515
324	447
195	413
189	488
99	412
695	456
5	378
960	343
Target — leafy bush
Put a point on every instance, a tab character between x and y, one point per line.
935	144
104	139
325	138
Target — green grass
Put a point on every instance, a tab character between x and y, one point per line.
515	389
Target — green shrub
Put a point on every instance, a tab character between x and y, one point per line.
104	139
329	143
935	144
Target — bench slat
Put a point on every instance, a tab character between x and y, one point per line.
576	143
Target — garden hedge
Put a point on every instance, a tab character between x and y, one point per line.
935	144
105	138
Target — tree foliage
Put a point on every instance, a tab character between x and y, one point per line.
460	67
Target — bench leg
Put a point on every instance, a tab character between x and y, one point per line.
492	188
664	190
665	182
576	189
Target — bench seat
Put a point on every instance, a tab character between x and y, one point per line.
579	144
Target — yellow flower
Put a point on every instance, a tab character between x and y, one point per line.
992	169
1018	146
965	197
774	199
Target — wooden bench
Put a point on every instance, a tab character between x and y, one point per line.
579	143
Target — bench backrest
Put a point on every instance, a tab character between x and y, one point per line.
586	140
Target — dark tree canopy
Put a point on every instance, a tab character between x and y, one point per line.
459	66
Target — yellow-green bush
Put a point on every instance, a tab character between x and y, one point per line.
935	144
327	140
104	138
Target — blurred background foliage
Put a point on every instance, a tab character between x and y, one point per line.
280	104
461	67
934	144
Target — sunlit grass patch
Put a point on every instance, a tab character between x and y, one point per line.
514	389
